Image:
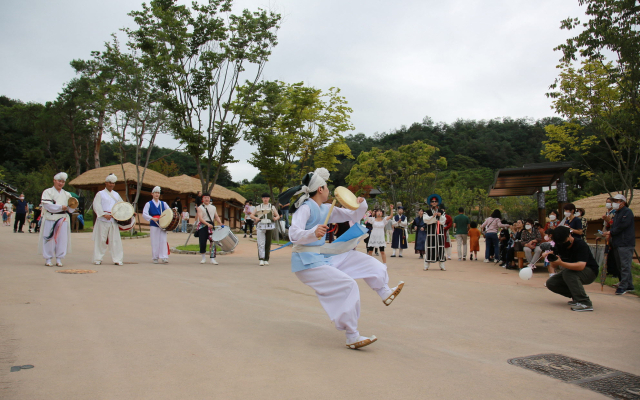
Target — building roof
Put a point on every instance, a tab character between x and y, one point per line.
97	176
189	184
528	179
594	207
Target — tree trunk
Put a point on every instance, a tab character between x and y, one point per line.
98	143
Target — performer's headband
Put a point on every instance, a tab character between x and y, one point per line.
310	183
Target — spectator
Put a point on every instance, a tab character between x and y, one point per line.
623	241
185	220
4	216
515	244
378	222
369	227
248	221
22	208
198	199
8	210
531	239
490	228
421	235
574	224
580	213
554	221
474	240
35	221
548	237
460	229
504	237
579	268
612	266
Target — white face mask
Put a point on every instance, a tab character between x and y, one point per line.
577	214
567	214
546	237
616	206
552	217
609	206
527	227
21	198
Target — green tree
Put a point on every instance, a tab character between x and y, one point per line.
198	55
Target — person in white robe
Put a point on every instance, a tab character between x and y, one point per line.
151	212
106	232
55	233
331	269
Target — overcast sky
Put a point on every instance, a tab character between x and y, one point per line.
396	62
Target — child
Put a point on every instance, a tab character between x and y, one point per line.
185	220
474	240
548	238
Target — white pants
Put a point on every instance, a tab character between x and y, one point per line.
337	289
55	247
103	231
159	247
447	250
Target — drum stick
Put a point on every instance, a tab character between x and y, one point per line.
330	211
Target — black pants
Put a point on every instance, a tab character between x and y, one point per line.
19	218
570	284
248	226
203	238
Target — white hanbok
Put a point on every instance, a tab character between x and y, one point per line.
106	232
159	246
55	232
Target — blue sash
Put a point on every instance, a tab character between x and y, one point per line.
155	212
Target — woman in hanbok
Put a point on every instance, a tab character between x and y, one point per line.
421	233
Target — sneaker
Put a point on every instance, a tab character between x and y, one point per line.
470	258
203	261
572	303
448	258
261	263
496	261
393	255
266	263
486	260
400	256
213	261
245	235
581	307
621	291
459	259
420	257
464	258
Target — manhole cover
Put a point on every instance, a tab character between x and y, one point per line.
76	271
610	382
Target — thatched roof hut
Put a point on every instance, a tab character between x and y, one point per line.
93	177
191	185
594	206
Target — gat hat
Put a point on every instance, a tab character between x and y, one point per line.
620	196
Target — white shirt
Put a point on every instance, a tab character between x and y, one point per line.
212	212
104	202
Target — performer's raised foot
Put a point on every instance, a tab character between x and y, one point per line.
394	293
361	341
442	266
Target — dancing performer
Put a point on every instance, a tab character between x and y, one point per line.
264	215
151	212
331	269
421	234
435	220
55	235
106	232
376	237
206	214
399	239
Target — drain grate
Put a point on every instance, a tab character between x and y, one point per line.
607	381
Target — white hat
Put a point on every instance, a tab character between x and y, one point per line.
620	196
156	189
61	176
111	178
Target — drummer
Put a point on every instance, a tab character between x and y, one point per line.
106	232
55	235
206	214
152	212
264	215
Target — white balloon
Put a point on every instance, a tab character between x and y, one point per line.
526	273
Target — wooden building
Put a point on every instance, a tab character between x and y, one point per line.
229	204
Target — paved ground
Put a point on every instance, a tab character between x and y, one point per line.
240	331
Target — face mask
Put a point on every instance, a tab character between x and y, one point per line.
21	198
578	214
616	206
552	217
527	227
567	214
546	238
609	206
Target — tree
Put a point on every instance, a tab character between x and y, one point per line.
600	99
295	129
198	55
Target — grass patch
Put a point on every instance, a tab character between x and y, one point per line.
190	247
128	233
635	272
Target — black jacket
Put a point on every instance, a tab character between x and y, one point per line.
623	230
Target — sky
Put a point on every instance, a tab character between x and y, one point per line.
395	62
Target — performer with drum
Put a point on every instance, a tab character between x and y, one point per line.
331	269
55	235
106	231
206	214
265	216
152	212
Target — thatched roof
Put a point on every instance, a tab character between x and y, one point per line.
594	206
189	184
96	177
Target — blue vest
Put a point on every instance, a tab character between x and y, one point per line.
302	261
155	212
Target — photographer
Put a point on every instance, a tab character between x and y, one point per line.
580	268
